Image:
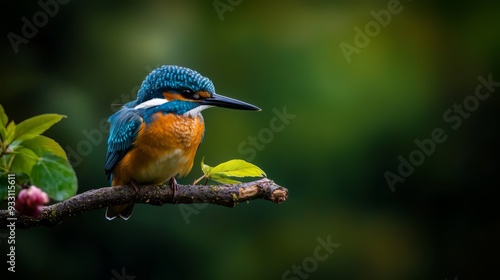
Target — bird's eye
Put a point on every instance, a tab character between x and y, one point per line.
187	92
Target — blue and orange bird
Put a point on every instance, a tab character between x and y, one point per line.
155	137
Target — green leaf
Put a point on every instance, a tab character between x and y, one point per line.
34	126
3	187
24	160
233	168
3	117
22	178
205	168
223	180
2	134
10	131
5	184
3	123
55	176
237	168
42	145
4	163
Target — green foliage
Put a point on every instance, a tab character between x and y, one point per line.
35	158
41	145
36	125
55	176
23	160
3	117
223	172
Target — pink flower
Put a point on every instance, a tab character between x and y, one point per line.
30	201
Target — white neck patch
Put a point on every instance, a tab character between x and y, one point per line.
196	111
151	103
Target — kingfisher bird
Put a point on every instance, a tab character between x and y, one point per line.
155	138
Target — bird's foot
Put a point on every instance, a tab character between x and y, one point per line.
135	186
173	185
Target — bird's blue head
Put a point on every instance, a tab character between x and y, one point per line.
182	91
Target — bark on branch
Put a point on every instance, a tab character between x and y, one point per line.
225	195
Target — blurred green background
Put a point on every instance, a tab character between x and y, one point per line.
352	122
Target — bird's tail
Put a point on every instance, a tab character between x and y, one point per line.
123	211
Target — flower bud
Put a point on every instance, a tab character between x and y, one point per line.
30	201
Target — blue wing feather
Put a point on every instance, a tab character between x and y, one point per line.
123	132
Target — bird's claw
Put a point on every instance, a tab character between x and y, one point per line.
135	186
173	185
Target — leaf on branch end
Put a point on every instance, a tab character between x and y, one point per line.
223	172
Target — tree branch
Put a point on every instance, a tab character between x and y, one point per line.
225	195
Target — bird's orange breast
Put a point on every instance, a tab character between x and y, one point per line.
163	149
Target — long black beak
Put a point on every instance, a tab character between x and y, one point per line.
227	102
